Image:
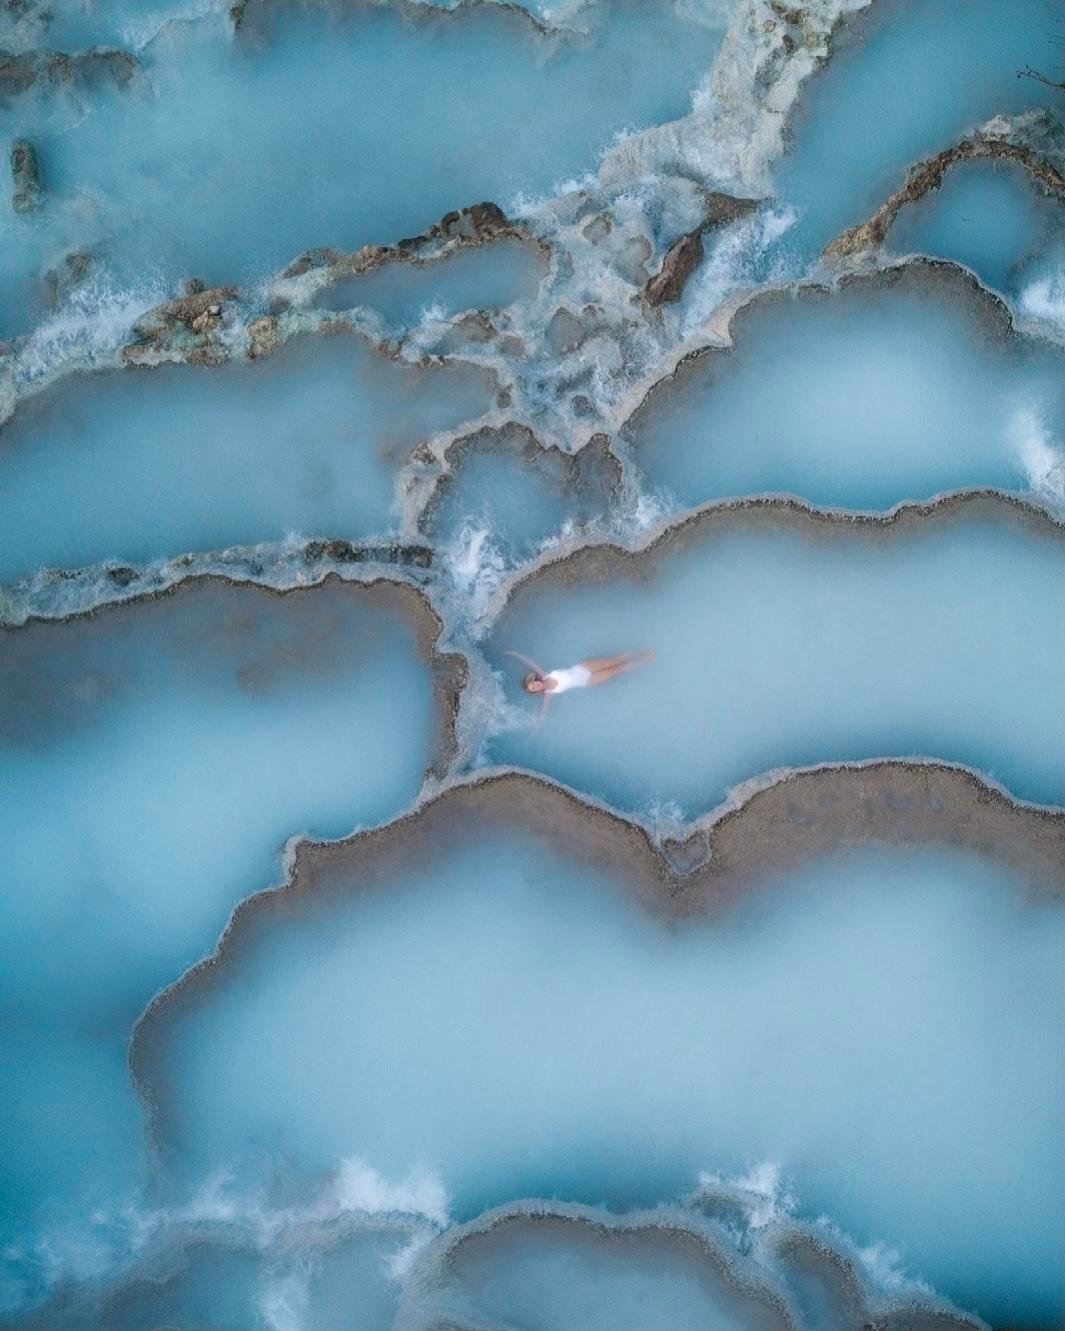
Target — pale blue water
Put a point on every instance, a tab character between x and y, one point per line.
779	649
872	1041
336	117
155	760
487	278
858	131
218	1289
988	216
503	502
135	466
834	1024
861	399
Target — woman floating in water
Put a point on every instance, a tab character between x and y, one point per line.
595	670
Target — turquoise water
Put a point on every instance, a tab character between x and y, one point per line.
783	648
487	278
156	759
883	1026
335	116
456	1086
988	216
504	500
856	132
140	465
863	398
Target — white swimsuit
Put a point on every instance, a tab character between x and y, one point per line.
576	677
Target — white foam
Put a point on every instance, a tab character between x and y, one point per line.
884	1265
639	509
1044	299
360	1187
477	566
91	326
140	31
768	1198
283	1301
1043	464
731	262
667	819
400	1263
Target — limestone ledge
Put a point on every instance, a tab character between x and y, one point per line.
713	1233
941	278
600	559
766	827
1001	139
56	594
371	584
734	130
170	1248
720	1231
210	326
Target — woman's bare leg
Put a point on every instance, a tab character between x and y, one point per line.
606	667
630	659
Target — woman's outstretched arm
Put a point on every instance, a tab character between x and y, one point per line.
528	661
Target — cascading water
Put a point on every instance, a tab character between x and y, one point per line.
351	346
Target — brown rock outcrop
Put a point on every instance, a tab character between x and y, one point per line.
927	176
685	254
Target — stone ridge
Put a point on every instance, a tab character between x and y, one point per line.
928	175
941	277
770	825
801	1249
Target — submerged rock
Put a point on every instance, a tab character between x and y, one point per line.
20	70
321	257
565	332
68	273
25	177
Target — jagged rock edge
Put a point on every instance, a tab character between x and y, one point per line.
1014	831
